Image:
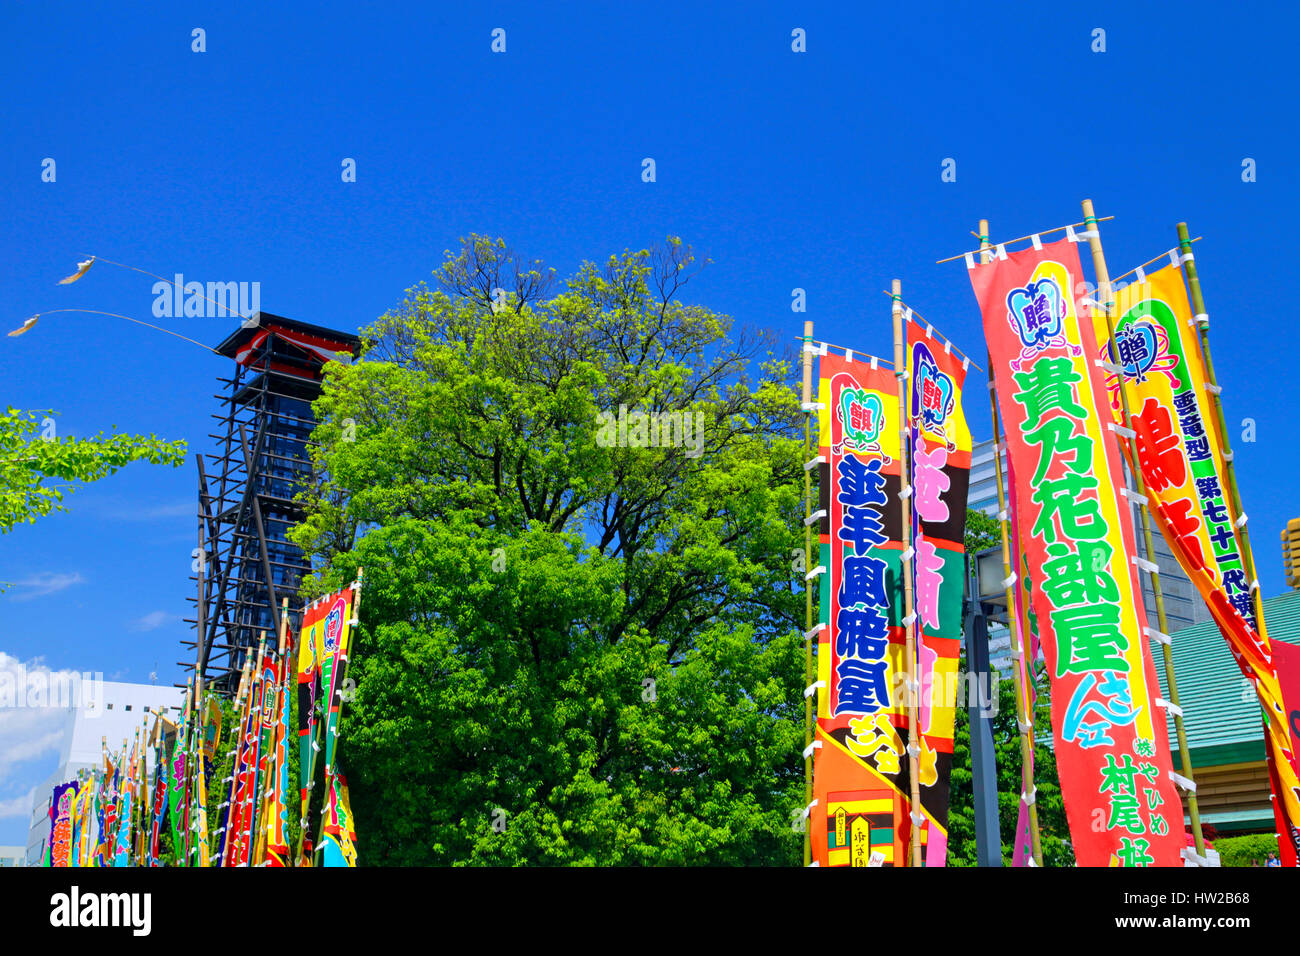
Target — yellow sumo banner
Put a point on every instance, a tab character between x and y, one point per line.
1180	455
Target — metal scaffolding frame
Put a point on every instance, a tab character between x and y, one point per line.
246	489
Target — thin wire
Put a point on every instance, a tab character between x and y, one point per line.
116	315
123	265
1163	255
918	315
1007	242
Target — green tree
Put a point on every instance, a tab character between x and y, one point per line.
982	531
1249	850
32	457
577	646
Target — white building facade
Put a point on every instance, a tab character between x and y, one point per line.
106	712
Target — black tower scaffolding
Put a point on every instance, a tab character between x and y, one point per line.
246	490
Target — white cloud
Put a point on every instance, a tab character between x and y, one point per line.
44	584
118	508
152	621
28	733
19	806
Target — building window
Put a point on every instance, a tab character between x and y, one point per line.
109	706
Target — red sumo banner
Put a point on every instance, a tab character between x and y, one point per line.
1112	749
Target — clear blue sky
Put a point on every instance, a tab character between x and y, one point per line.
818	170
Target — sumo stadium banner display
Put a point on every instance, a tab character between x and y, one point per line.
116	816
1106	407
892	570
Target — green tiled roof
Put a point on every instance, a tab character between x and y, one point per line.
1220	710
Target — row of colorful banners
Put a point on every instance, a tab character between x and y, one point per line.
1075	582
116	816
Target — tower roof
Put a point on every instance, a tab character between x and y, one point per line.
238	340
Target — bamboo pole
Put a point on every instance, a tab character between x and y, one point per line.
1024	717
1230	468
1106	299
1234	502
909	618
808	674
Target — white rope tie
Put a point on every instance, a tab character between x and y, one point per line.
1150	567
1133	496
1158	636
1169	706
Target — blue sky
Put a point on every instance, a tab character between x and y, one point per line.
818	170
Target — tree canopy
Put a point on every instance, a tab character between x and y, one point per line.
581	628
33	460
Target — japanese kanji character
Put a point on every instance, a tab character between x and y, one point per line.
929	577
1081	577
1080	519
1185	528
1057	438
862	686
1234	580
1135	852
861	633
1222	536
864	528
861	483
1118	778
863	582
1163	465
1048	386
1088	637
931	482
1209	487
1126	812
1214	511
